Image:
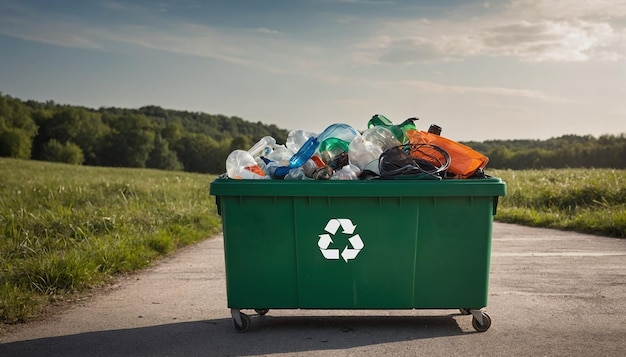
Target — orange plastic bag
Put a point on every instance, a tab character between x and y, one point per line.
464	161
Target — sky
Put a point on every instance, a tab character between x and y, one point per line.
482	70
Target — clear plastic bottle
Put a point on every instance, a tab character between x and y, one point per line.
263	147
381	137
348	172
241	165
341	131
296	174
365	150
280	154
297	138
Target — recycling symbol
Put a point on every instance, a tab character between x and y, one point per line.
348	253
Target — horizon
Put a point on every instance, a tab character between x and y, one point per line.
482	70
201	112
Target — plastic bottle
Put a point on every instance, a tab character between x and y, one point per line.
381	137
241	165
348	172
297	138
280	154
365	150
296	174
339	131
399	131
334	147
263	147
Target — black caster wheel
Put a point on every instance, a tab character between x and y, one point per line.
245	323
485	325
262	311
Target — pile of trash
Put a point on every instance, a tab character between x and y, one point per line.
340	152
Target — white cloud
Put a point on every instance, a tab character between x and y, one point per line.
568	10
548	41
537	31
437	88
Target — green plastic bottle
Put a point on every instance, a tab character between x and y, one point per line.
397	130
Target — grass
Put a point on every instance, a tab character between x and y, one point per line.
65	229
582	200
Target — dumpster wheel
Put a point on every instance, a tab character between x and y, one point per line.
262	311
241	321
481	321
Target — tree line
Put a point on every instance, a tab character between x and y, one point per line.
148	137
153	137
567	151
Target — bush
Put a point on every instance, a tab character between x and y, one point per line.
15	143
68	153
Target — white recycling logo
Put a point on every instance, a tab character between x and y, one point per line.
348	253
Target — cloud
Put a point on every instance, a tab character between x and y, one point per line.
534	31
437	88
548	41
266	31
48	31
569	10
251	47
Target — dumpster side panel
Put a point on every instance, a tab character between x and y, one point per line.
381	274
259	252
357	245
453	252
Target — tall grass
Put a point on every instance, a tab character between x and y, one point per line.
64	229
589	201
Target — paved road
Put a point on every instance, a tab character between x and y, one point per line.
551	293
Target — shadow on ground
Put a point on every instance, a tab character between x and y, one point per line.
266	335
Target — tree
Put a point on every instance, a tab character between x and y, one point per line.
68	152
70	124
15	143
161	157
240	142
172	132
17	128
129	143
202	153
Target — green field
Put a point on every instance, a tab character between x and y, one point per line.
65	229
582	200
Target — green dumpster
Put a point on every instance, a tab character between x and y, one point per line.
376	244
